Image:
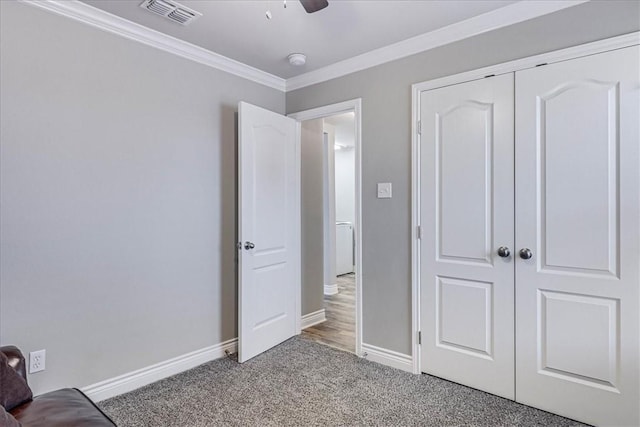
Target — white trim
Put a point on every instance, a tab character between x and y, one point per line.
387	357
297	227
593	48
141	377
311	319
498	18
106	21
354	105
331	289
415	223
327	110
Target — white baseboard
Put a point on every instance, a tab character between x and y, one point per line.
314	318
136	379
387	357
331	289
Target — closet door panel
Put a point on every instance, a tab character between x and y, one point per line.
578	172
464	162
577	211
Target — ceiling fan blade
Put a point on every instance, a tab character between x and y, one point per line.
314	5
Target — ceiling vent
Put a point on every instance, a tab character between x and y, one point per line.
171	10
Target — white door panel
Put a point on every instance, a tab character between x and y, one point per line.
467	300
268	220
577	209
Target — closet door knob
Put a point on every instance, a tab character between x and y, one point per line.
504	252
525	253
249	245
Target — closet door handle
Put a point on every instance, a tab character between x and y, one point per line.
249	245
525	253
504	252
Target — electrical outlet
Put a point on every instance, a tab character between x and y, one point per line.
36	361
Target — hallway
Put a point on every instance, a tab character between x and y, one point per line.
339	329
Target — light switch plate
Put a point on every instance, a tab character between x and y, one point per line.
384	190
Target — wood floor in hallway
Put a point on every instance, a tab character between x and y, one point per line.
339	330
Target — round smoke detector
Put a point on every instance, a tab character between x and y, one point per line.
297	59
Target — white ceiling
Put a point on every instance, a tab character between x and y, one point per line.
238	29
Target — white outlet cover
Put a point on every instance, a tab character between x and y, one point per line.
37	361
384	190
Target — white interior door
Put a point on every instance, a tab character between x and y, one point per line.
269	230
466	205
577	211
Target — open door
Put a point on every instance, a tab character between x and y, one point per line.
269	230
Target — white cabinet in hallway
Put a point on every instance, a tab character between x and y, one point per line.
530	253
344	248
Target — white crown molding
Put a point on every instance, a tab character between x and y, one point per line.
387	357
311	319
502	17
106	21
141	377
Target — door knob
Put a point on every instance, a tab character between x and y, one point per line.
525	253
249	245
504	252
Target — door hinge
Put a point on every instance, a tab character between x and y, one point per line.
419	127
419	337
419	232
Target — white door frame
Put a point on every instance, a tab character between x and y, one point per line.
619	42
354	105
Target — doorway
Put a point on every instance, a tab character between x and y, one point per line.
331	243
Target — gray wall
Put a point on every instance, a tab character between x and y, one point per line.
386	141
312	216
118	200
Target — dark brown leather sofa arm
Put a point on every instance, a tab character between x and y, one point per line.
16	359
68	407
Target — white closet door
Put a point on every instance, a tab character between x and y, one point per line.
466	154
577	210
